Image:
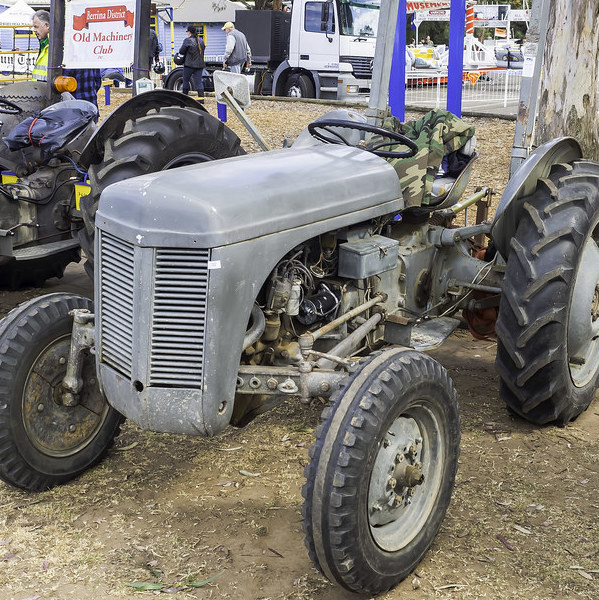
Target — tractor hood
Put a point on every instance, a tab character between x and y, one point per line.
228	201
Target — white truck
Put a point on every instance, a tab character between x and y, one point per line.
321	49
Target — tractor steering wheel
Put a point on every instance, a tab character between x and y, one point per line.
321	130
9	108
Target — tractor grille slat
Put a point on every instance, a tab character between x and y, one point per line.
179	318
116	272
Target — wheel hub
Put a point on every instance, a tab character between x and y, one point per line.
55	429
397	472
595	305
583	320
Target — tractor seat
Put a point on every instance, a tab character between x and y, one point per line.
453	175
53	127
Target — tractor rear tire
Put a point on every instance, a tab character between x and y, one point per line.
548	323
163	139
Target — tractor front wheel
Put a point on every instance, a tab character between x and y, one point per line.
382	471
46	440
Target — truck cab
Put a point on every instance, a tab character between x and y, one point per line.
322	49
332	43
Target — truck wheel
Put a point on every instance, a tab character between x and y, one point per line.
162	139
174	81
548	323
382	471
299	86
45	443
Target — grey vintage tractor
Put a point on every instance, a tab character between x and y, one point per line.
313	274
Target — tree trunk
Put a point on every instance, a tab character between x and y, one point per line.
568	96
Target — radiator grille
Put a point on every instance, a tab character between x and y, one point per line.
362	65
116	294
179	318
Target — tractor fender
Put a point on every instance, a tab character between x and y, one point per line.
524	182
136	107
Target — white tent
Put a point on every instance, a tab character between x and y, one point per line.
20	13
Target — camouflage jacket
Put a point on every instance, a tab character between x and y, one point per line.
436	134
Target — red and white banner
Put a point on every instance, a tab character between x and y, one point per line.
99	34
430	5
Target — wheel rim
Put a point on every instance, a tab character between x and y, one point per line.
184	160
53	429
406	477
294	91
583	320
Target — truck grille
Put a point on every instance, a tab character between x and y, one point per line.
362	65
116	294
179	317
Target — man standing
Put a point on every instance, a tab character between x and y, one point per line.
89	81
237	51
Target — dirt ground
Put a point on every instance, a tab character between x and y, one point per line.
172	512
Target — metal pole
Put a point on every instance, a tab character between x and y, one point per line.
457	27
381	70
533	51
397	82
141	53
55	50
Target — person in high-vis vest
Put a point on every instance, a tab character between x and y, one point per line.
89	81
41	28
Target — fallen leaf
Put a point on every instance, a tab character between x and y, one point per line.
144	586
450	586
129	447
585	575
248	473
522	529
197	584
285	438
505	542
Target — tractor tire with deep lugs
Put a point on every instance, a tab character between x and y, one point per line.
163	139
548	323
46	441
382	471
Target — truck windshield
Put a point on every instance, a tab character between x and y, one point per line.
359	17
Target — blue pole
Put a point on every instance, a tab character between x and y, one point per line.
457	29
397	82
